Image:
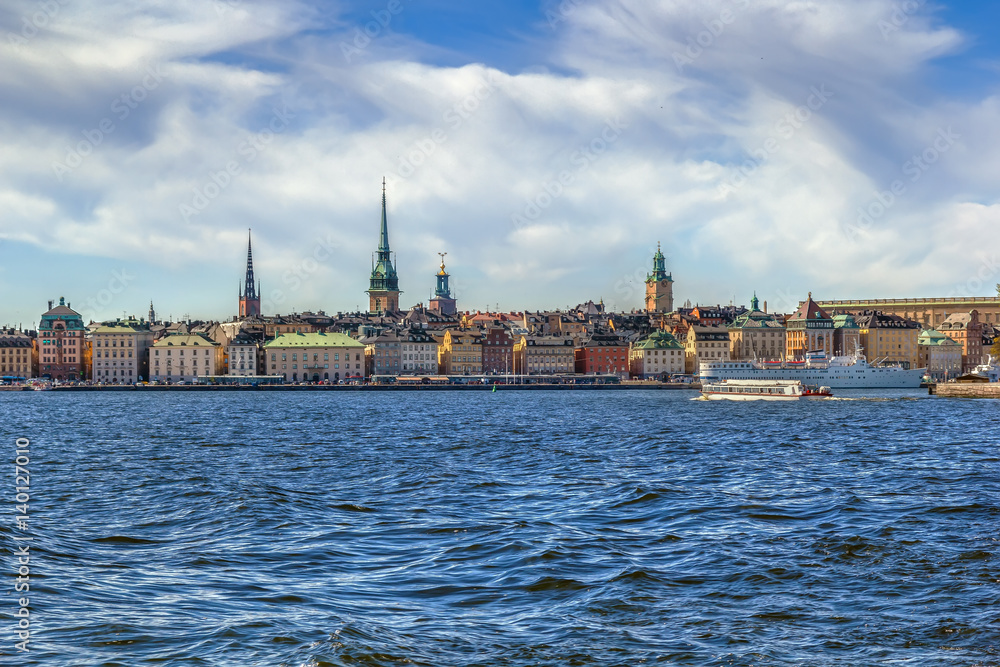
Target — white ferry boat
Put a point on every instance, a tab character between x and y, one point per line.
837	373
762	390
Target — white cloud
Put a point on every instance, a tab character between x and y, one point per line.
644	145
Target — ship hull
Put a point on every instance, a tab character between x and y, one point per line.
856	376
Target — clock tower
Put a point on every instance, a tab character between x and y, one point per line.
659	286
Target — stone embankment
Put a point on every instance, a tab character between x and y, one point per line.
963	390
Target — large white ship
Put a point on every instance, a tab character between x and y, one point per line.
836	373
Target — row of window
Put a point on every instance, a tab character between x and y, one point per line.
114	343
326	356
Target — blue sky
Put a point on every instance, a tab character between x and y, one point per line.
845	147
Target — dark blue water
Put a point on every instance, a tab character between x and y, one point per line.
507	528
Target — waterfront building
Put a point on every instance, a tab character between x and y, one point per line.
498	350
184	357
418	352
930	312
61	343
705	344
120	352
966	330
461	352
602	354
659	286
846	335
940	355
809	329
243	353
658	356
383	353
279	325
250	294
442	302
315	357
383	288
889	339
543	355
15	355
756	335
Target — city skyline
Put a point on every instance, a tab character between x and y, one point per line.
547	147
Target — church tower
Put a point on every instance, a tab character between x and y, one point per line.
442	301
250	295
383	287
659	286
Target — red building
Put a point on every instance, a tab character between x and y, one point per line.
498	351
602	354
61	343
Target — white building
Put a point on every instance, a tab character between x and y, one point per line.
419	352
656	357
185	357
243	351
120	352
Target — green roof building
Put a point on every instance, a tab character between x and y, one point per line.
315	357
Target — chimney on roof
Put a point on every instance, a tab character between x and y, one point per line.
50	304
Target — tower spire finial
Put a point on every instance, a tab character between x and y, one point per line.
250	299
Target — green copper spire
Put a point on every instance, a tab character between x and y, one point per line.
754	303
383	276
659	267
383	238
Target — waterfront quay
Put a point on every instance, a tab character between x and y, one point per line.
647	385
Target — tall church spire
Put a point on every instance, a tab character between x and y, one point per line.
249	289
383	287
383	237
250	299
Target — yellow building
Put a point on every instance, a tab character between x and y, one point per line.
756	335
930	312
889	339
705	344
461	352
184	358
15	354
315	357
